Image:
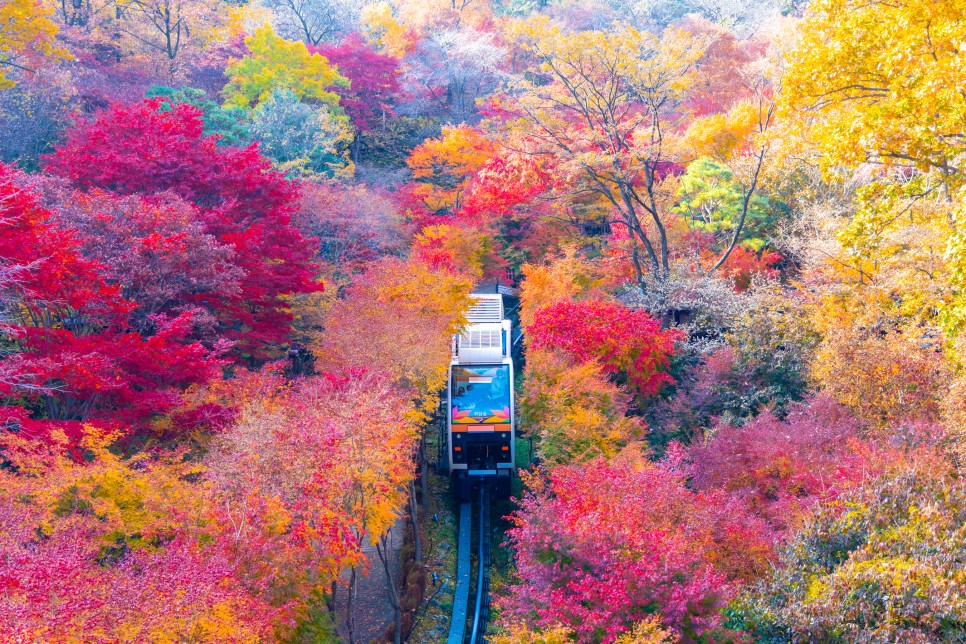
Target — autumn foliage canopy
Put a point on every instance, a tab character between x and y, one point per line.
237	241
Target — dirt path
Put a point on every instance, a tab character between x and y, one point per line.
371	610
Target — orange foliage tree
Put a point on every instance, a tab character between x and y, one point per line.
398	318
341	449
443	167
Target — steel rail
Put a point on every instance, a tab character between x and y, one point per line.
457	625
482	610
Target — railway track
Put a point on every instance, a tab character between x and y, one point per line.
462	617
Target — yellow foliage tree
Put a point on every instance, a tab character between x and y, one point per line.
136	501
275	63
953	413
647	632
129	546
522	635
885	81
382	30
574	410
26	37
886	370
877	89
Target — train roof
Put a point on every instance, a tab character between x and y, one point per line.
485	308
486	336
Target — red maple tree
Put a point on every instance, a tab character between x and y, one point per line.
74	357
622	339
136	149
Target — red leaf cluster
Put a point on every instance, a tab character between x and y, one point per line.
244	204
373	77
621	339
76	357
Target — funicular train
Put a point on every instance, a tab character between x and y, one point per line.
480	417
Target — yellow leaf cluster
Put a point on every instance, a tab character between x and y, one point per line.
574	410
522	635
26	37
466	250
384	31
884	79
885	370
720	135
627	54
570	276
275	63
648	631
876	89
138	501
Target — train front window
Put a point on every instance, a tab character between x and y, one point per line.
481	394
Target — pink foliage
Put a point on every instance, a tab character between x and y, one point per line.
354	225
373	77
156	248
53	587
778	468
603	545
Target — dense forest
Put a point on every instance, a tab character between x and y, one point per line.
237	238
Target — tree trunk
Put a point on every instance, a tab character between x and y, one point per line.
356	146
423	473
332	604
745	203
414	515
349	620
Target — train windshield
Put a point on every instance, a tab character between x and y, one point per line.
481	394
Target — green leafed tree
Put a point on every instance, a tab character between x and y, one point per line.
230	123
711	199
302	139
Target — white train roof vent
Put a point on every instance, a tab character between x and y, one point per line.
486	308
476	338
481	343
